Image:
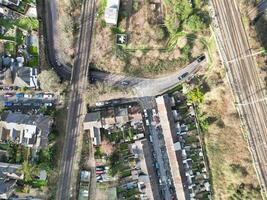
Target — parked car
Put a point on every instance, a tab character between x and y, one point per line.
48	96
201	58
28	96
145	112
49	104
99	103
20	95
183	76
39	95
8	104
124	83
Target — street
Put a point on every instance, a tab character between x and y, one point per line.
249	92
77	109
149	87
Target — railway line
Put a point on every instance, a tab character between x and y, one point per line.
246	85
77	108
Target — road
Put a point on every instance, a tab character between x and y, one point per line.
149	87
50	34
246	85
161	157
77	109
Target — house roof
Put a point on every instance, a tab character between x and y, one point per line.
92	117
26	76
41	122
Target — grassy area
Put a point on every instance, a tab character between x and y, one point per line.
33	62
232	172
10	47
26	23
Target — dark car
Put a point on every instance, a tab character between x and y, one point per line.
201	58
183	76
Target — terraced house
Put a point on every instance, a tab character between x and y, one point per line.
28	130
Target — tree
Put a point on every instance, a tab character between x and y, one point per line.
49	81
195	96
195	23
29	171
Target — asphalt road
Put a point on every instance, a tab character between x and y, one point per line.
76	109
149	87
50	33
247	87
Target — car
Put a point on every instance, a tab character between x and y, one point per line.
150	139
92	79
99	103
8	104
17	104
27	104
48	104
145	112
8	95
154	111
124	83
201	58
183	76
39	95
147	122
37	104
48	96
28	96
19	95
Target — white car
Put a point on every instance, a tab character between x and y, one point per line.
48	104
145	112
27	96
154	112
48	96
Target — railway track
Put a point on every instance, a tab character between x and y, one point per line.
244	80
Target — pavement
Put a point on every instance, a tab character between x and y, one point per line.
77	109
248	90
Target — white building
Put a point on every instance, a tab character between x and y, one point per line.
112	12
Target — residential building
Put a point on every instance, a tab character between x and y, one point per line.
28	130
92	122
112	12
141	170
8	177
26	77
173	147
112	119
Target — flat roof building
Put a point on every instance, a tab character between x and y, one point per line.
112	12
